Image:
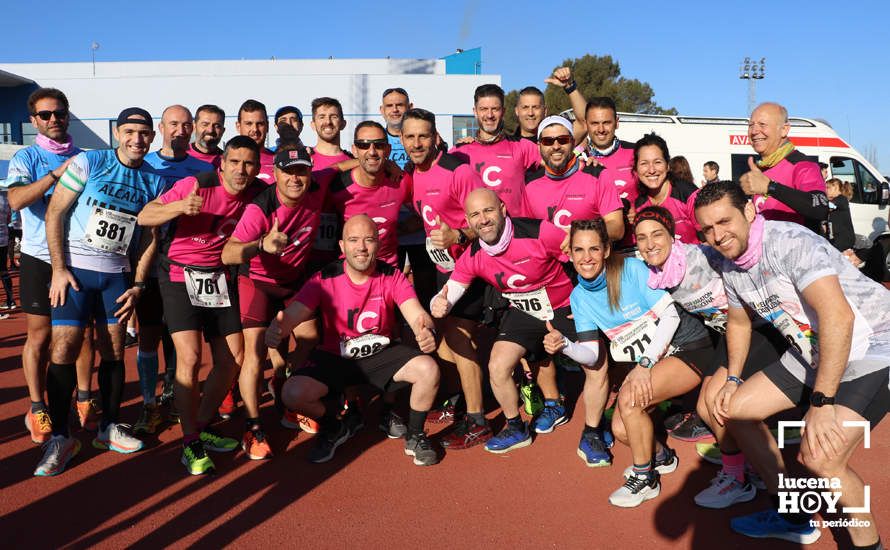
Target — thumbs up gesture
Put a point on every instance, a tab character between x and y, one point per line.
754	182
425	333
554	341
192	203
439	306
443	237
274	242
275	332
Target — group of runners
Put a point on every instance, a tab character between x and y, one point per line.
555	246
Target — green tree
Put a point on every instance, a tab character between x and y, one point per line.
596	76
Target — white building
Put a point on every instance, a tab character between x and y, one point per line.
97	93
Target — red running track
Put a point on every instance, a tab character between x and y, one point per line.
369	496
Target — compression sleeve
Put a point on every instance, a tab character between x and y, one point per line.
454	293
585	353
668	322
812	205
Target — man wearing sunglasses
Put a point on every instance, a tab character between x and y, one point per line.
33	173
501	160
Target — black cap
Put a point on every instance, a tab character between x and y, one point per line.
126	117
293	157
288	109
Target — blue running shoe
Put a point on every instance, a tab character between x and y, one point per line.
769	524
510	438
592	450
553	415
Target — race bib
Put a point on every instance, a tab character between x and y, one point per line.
439	256
629	341
207	289
363	346
327	232
109	231
535	303
800	337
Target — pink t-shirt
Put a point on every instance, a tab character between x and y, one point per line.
320	162
502	166
299	222
532	261
581	196
325	248
680	203
199	240
621	166
794	171
441	191
349	310
381	203
267	167
213	158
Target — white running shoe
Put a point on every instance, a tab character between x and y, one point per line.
724	491
636	490
117	437
58	450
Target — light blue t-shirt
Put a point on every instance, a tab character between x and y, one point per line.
104	184
397	154
27	166
174	170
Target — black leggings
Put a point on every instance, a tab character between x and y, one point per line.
4	274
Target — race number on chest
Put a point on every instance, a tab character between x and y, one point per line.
536	303
207	289
363	346
109	231
439	256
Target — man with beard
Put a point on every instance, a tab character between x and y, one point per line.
289	125
253	122
210	125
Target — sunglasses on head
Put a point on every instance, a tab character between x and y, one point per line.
367	143
548	141
46	115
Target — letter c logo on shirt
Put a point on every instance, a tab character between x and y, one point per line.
226	228
380	221
487	180
367	314
513	279
559	217
428	210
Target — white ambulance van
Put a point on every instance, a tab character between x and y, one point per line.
725	141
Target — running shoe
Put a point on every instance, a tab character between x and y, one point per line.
166	392
675	420
116	437
195	459
792	435
218	443
754	478
724	491
441	415
666	465
593	451
532	398
393	425
294	421
553	415
130	340
353	419
57	452
769	524
172	413
509	439
326	443
9	305
421	448
40	426
636	490
255	445
710	452
466	434
692	429
227	407
150	419
88	414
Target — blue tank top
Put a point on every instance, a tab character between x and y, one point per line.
174	170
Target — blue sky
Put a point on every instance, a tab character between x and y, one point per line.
824	59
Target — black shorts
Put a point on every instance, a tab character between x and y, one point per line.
181	315
34	279
472	304
150	307
867	395
767	346
339	373
521	328
697	355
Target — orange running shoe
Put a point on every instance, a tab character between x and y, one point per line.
255	445
292	420
87	414
40	426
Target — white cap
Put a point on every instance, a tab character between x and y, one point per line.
555	119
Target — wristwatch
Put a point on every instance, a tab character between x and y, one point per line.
139	284
645	362
818	399
771	187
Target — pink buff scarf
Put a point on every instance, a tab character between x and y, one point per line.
503	243
672	272
751	256
54	146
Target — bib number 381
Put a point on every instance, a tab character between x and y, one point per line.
109	231
363	346
535	303
207	289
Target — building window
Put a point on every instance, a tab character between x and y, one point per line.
111	141
29	133
463	126
5	132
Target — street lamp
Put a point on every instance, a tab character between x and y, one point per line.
752	71
93	47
